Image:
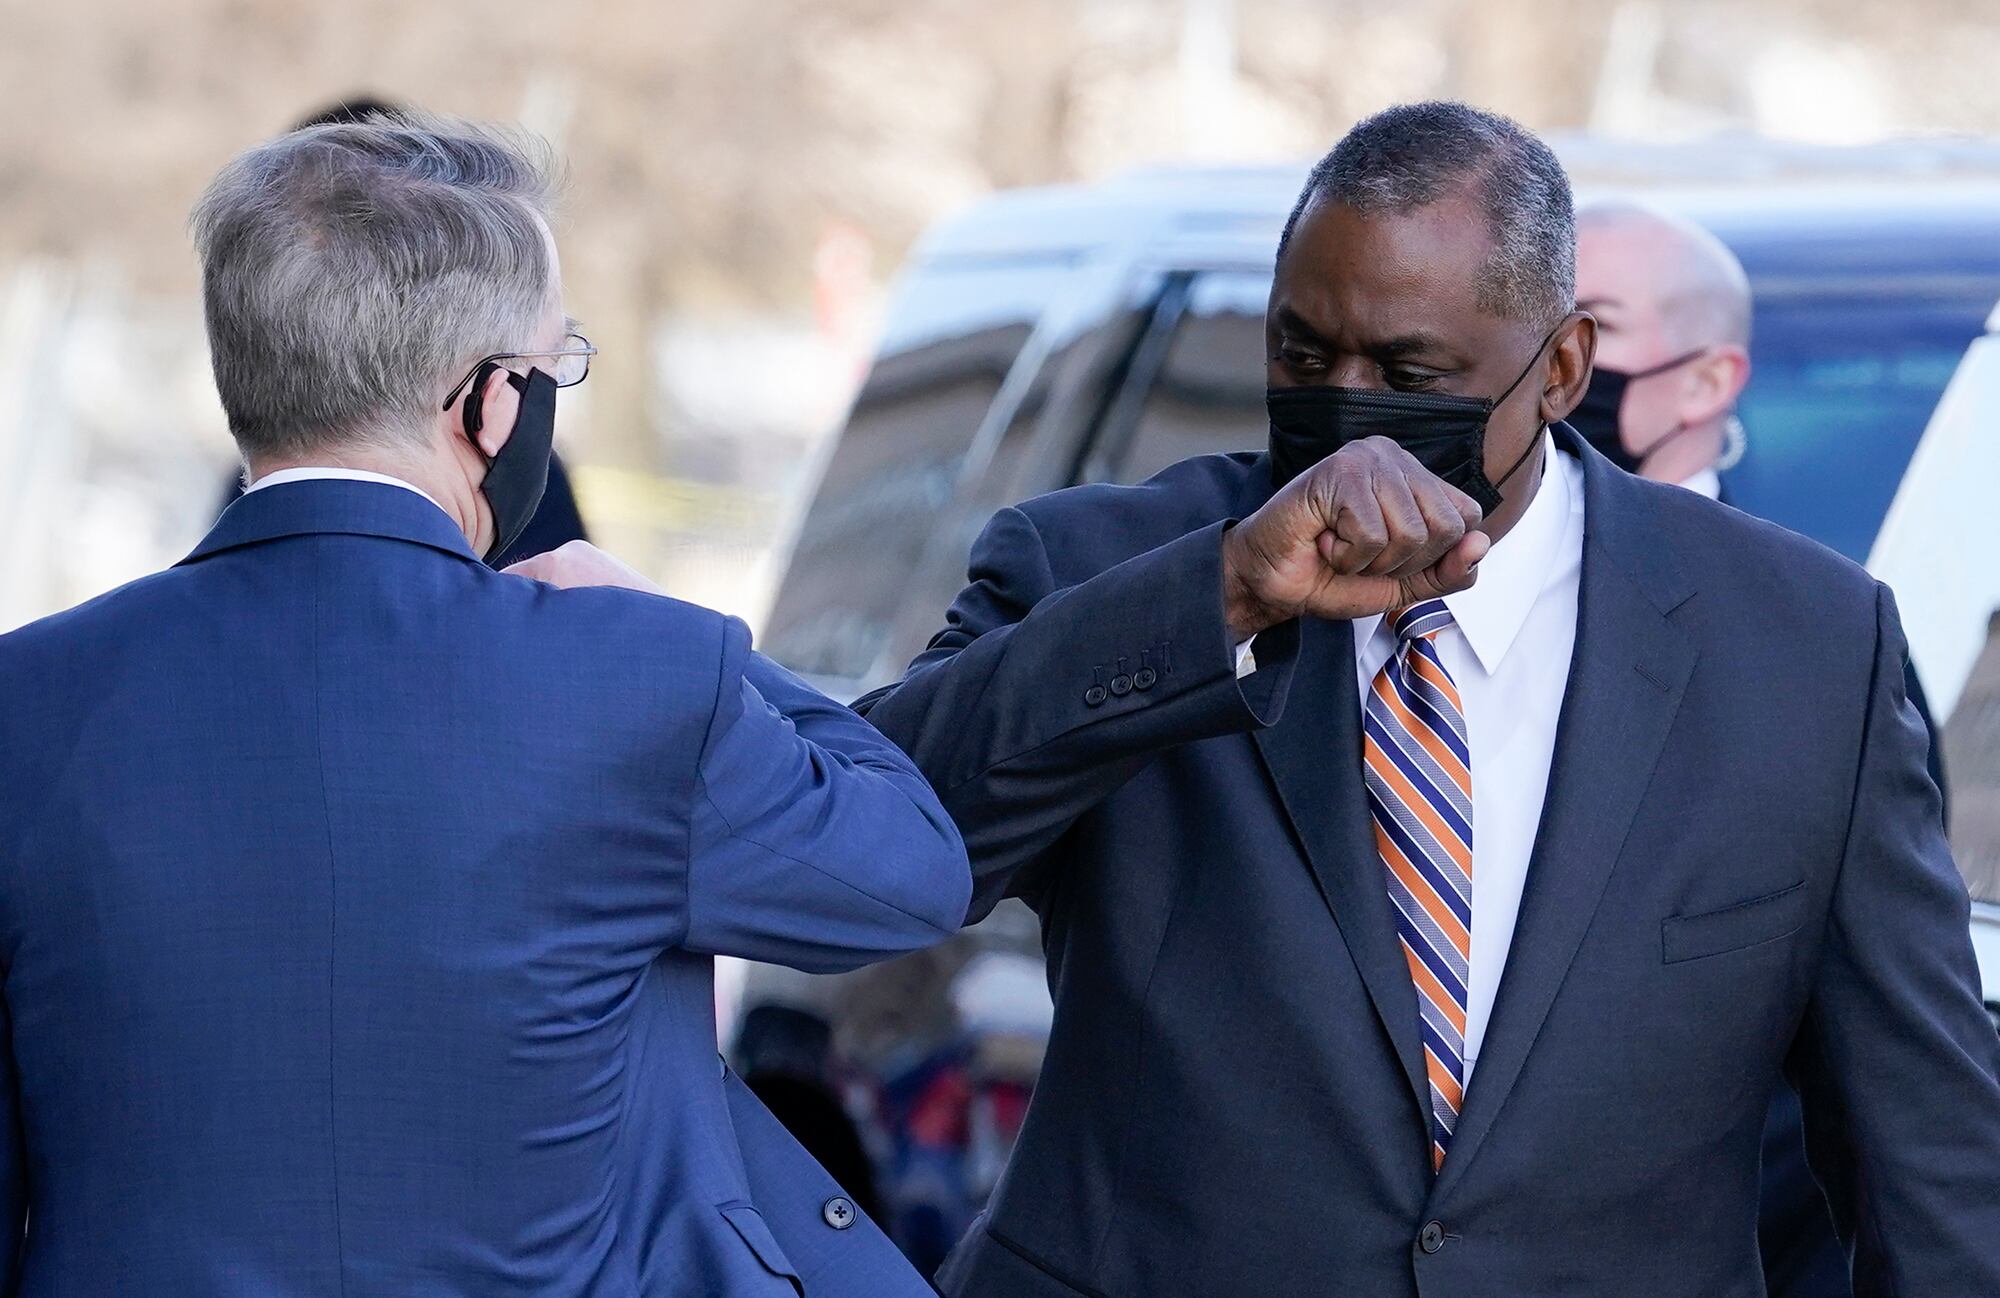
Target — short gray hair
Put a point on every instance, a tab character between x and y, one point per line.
1413	155
349	272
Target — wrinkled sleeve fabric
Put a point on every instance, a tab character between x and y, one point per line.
1039	699
1896	1060
813	841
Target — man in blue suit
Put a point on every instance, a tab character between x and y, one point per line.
1470	972
358	903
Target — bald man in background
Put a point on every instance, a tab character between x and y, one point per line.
1673	342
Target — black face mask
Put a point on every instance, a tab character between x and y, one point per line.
1597	415
1446	434
517	477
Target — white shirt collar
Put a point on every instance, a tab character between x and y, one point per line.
1492	611
1706	483
315	473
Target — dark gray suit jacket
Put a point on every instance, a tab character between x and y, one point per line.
1740	871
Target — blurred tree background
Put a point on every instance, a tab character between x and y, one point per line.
744	178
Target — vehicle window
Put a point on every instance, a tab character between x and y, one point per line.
951	335
1206	391
1840	391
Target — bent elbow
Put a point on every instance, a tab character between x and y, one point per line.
940	891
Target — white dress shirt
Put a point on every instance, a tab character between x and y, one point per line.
315	473
1705	483
1508	650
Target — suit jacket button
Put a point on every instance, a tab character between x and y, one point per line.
1145	678
838	1212
1121	685
1095	696
1432	1238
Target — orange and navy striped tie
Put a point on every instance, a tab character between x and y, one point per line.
1419	776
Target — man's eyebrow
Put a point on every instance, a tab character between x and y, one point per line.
1411	344
1294	323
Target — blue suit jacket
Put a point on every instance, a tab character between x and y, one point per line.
1740	872
357	907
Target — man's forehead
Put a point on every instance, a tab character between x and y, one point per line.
1618	259
1389	272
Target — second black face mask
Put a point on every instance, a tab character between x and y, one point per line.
519	474
1446	434
1599	416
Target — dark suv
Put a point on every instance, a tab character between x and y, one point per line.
1059	336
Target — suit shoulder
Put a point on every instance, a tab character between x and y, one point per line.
675	631
59	635
1772	569
1118	519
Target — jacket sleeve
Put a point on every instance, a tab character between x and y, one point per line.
813	842
1036	702
1896	1059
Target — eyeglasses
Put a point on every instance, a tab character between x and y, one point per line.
572	365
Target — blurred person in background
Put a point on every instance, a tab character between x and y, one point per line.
953	1116
359	903
1672	306
557	520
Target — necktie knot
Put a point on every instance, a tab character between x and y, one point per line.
1421	620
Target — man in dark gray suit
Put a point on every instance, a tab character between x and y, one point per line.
1455	952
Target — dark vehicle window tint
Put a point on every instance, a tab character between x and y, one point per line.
951	335
1840	390
1208	393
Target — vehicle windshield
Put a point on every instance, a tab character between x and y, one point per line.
1840	391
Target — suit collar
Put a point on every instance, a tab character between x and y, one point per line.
333	506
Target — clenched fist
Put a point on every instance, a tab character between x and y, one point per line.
579	563
1365	530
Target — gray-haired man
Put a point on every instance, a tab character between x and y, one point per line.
357	902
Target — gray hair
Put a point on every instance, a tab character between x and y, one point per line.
351	272
1413	155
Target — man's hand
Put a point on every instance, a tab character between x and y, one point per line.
1365	530
579	563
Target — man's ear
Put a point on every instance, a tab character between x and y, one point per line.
499	403
1715	383
1571	356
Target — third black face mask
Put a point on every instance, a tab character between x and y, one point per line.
1598	415
517	477
1446	434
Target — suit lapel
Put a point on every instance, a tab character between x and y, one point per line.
1628	671
1313	754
